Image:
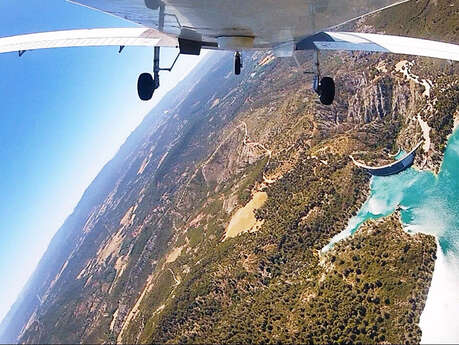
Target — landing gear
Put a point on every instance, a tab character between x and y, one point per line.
146	86
324	87
147	83
237	63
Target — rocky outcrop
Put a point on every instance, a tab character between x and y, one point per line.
231	157
373	100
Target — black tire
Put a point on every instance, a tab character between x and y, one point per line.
237	64
145	86
327	90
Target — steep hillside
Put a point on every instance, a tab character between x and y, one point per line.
147	255
92	208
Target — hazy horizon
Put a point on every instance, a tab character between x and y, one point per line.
56	104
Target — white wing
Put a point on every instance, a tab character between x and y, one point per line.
381	43
87	38
270	22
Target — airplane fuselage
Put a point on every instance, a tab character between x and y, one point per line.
268	22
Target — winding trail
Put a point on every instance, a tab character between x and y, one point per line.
177	282
245	142
404	67
425	133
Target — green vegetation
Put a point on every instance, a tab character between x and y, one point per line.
137	249
253	175
151	305
272	285
195	236
446	107
435	20
374	285
274	288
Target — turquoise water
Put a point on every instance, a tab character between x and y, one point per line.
429	204
401	154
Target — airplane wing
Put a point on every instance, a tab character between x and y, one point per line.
353	41
344	41
235	25
284	26
267	22
87	38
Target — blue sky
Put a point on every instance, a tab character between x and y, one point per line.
64	113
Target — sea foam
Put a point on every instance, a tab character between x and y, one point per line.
439	321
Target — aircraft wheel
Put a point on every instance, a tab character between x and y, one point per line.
145	86
327	90
237	64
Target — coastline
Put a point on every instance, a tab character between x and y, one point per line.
434	216
438	319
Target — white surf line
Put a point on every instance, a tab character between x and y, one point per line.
439	319
353	221
456	120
